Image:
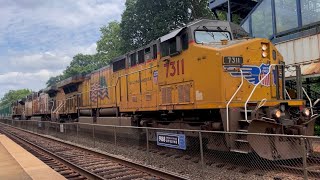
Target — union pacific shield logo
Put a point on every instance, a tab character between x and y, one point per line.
264	71
253	74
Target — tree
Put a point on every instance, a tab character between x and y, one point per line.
14	95
147	20
54	80
142	21
81	64
199	9
110	44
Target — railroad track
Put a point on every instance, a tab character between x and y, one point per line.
75	162
233	162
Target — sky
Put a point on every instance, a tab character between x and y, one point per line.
38	38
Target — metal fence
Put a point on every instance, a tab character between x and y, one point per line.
205	155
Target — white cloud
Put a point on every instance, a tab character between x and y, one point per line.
52	61
39	38
19	80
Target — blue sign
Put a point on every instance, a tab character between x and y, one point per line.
177	141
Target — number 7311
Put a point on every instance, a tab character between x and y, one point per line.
174	68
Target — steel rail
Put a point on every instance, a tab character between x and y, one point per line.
73	166
149	170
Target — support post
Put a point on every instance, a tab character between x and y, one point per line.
201	149
78	107
201	153
229	12
78	133
94	139
304	158
57	125
115	135
147	139
299	82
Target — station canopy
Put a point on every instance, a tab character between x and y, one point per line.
292	25
240	7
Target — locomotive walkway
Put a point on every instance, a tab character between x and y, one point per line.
16	163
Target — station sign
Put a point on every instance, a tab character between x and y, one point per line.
177	141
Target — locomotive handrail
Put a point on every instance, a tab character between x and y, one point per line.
59	107
234	94
310	102
287	93
262	103
52	106
245	105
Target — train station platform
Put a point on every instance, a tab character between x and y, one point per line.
17	163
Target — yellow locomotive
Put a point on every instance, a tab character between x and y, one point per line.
207	75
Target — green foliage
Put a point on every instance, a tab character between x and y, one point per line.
147	20
54	80
81	64
199	9
142	21
14	95
110	44
235	17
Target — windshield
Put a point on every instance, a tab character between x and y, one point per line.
211	36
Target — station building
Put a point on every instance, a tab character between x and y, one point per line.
292	25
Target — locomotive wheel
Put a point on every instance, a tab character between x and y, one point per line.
272	147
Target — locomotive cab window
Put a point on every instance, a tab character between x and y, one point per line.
207	36
119	65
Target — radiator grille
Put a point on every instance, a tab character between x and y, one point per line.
184	93
166	93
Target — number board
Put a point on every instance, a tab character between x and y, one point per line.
232	60
177	141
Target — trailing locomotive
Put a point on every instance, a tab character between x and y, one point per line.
208	76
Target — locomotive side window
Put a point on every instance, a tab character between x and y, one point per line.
169	47
140	57
185	41
207	37
155	51
164	49
147	54
147	50
133	59
119	65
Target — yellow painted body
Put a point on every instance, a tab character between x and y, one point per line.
194	79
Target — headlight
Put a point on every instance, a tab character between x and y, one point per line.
306	112
264	47
276	113
264	54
